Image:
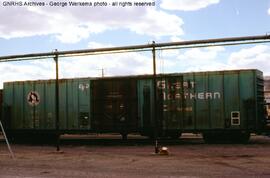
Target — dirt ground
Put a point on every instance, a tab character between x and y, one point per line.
188	157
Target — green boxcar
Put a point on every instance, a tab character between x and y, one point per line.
30	106
213	103
218	104
85	105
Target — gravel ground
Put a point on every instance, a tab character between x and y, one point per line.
188	157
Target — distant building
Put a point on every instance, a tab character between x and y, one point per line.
267	93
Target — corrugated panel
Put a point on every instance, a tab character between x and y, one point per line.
17	108
231	96
75	98
192	101
248	99
206	100
215	88
189	105
74	104
83	101
172	91
260	99
28	110
7	103
49	101
145	102
38	105
71	90
63	105
202	105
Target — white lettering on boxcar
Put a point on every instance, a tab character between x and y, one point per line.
83	86
184	90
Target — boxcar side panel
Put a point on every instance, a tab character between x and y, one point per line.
83	100
75	104
189	102
260	103
17	109
50	104
267	97
26	98
231	97
71	105
202	104
145	103
248	100
40	109
188	106
216	100
63	105
172	114
210	100
7	103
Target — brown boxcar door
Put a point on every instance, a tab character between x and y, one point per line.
115	106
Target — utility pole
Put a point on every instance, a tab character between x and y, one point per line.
57	102
102	72
155	121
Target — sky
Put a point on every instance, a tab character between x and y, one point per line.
34	29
